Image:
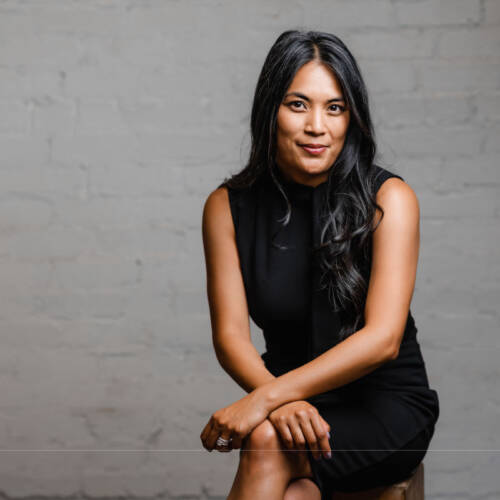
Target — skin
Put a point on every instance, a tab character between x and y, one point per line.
311	121
274	416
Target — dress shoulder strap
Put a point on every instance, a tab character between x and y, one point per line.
241	202
234	201
382	175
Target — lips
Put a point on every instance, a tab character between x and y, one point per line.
314	149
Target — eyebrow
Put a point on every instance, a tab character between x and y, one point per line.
302	96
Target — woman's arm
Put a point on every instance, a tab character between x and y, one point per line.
392	280
297	422
226	296
243	363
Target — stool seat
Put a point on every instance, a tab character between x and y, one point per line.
411	488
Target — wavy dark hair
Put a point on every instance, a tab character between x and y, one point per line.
350	206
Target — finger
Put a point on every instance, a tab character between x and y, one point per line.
325	423
215	432
299	440
237	442
321	432
310	436
281	425
285	435
223	448
205	433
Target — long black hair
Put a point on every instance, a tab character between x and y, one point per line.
345	250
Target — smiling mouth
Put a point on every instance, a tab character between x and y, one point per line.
314	150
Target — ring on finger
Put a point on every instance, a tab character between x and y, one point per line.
223	444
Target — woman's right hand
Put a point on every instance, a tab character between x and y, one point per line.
299	422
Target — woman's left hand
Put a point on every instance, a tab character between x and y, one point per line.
235	421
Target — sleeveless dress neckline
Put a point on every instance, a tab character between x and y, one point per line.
298	186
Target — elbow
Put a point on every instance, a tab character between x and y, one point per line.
393	354
386	344
224	349
221	355
393	349
389	348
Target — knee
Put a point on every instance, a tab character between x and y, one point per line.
262	437
260	453
262	450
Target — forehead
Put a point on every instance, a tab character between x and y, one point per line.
317	80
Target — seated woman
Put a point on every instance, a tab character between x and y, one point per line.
319	245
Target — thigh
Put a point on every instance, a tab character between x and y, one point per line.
302	488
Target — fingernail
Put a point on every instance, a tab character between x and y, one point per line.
328	434
329	454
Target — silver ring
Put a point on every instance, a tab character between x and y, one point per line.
223	442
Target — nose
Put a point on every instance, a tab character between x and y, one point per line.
314	123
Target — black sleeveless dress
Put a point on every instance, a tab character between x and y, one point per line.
375	419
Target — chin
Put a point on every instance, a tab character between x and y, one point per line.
316	167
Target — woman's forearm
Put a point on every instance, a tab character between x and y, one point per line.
356	356
243	363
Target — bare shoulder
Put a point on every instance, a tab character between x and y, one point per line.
398	200
217	211
399	203
217	200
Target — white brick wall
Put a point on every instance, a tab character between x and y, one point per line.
117	118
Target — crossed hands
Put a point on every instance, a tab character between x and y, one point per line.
298	423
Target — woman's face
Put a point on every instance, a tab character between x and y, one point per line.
312	112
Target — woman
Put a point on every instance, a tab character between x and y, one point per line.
320	246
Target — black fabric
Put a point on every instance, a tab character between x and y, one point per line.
394	466
373	418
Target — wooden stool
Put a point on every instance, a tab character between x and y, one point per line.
409	489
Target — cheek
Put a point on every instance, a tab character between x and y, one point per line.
285	150
339	130
289	124
285	141
343	124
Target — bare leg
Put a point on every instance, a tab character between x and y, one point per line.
302	489
266	468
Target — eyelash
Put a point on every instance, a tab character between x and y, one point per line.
342	108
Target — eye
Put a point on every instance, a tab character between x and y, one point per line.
339	110
292	104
